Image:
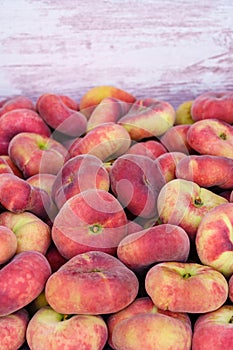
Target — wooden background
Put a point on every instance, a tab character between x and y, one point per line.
168	49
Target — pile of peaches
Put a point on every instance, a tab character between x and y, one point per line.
116	222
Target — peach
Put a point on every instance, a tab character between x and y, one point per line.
48	329
4	166
230	285
68	101
33	153
45	182
59	116
214	241
91	283
212	137
6	160
147	118
8	244
175	139
55	259
214	105
207	170
30	231
214	330
184	203
106	141
17	102
13	329
16	195
27	121
136	182
79	174
95	95
90	220
22	279
108	110
183	113
167	164
186	287
164	242
150	148
162	329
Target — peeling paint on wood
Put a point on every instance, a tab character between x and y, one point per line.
171	50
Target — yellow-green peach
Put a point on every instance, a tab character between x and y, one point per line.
95	95
214	239
147	118
31	232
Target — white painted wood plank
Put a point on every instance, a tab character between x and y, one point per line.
171	50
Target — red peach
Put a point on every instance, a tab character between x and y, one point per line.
186	287
184	203
22	279
162	329
230	285
27	121
8	244
91	283
206	170
150	148
106	141
17	102
33	153
167	164
213	330
16	195
164	242
45	182
214	105
79	174
8	161
59	116
136	182
13	329
69	102
175	139
90	220
212	137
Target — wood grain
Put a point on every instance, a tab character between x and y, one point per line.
171	50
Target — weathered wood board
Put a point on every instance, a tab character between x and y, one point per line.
169	49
